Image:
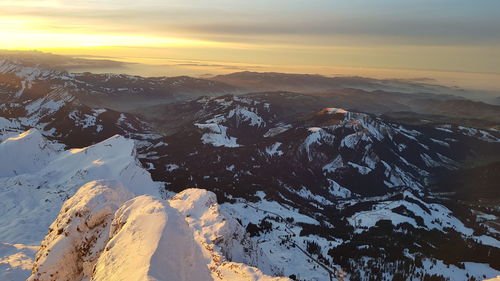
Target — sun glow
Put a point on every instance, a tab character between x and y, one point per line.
328	38
29	33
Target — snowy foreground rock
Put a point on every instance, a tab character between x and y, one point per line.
113	225
102	234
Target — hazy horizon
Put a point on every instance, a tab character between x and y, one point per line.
455	42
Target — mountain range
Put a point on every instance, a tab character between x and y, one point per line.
263	176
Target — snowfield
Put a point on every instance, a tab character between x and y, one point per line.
45	176
106	220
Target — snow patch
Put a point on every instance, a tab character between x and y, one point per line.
337	163
171	167
217	135
244	115
337	190
274	149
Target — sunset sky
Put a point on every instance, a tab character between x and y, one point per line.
313	35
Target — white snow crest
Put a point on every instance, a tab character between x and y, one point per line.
45	178
102	234
79	234
149	240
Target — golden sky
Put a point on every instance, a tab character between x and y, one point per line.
320	36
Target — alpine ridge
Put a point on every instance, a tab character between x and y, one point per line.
114	217
198	179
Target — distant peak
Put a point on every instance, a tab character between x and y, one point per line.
334	110
26	70
118	142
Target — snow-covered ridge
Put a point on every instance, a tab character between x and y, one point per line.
28	147
38	176
377	143
22	71
29	73
104	234
114	226
78	235
220	114
224	242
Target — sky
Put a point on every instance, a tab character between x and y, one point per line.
319	36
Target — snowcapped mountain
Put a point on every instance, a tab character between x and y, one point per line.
116	91
35	187
409	99
106	222
347	172
319	151
294	184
